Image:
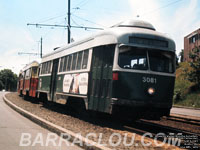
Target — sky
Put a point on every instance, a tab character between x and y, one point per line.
175	18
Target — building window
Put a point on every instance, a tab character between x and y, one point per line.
190	40
193	39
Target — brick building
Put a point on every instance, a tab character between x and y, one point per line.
190	42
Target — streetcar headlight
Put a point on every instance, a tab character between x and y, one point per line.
151	91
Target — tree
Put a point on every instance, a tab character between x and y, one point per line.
177	65
8	80
181	55
194	74
1	85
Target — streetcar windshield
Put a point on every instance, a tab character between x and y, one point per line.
34	71
133	58
161	61
138	58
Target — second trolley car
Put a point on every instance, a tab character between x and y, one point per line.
28	80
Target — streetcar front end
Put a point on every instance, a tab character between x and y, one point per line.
144	76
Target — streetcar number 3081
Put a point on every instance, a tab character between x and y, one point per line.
149	80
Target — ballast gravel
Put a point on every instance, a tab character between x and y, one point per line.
106	129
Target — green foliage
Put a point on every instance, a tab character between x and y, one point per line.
1	85
181	55
8	80
186	93
182	85
194	74
191	100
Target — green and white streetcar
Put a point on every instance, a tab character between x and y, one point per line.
126	69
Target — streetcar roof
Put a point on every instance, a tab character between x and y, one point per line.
135	23
30	65
119	33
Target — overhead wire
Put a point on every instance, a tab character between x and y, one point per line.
82	3
52	18
88	21
78	7
75	22
157	9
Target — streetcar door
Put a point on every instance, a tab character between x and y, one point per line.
101	78
53	79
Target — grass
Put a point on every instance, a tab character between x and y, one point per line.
191	100
185	92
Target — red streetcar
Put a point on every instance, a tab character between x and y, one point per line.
28	80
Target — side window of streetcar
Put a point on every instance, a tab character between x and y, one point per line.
61	64
39	70
42	68
80	55
69	63
49	69
65	63
74	61
45	67
27	74
85	59
34	71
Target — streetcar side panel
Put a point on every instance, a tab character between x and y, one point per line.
20	83
44	79
27	82
101	78
73	74
70	67
33	82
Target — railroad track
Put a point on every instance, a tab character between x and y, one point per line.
142	127
184	120
139	127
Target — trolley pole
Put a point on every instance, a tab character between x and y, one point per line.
69	25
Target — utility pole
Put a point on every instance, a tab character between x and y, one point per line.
41	47
69	25
65	26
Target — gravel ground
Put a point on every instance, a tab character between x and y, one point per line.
83	123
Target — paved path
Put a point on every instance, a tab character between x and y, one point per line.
12	125
185	111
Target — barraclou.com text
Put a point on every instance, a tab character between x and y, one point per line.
115	139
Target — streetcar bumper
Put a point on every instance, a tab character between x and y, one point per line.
140	109
144	103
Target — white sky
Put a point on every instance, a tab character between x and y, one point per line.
176	18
